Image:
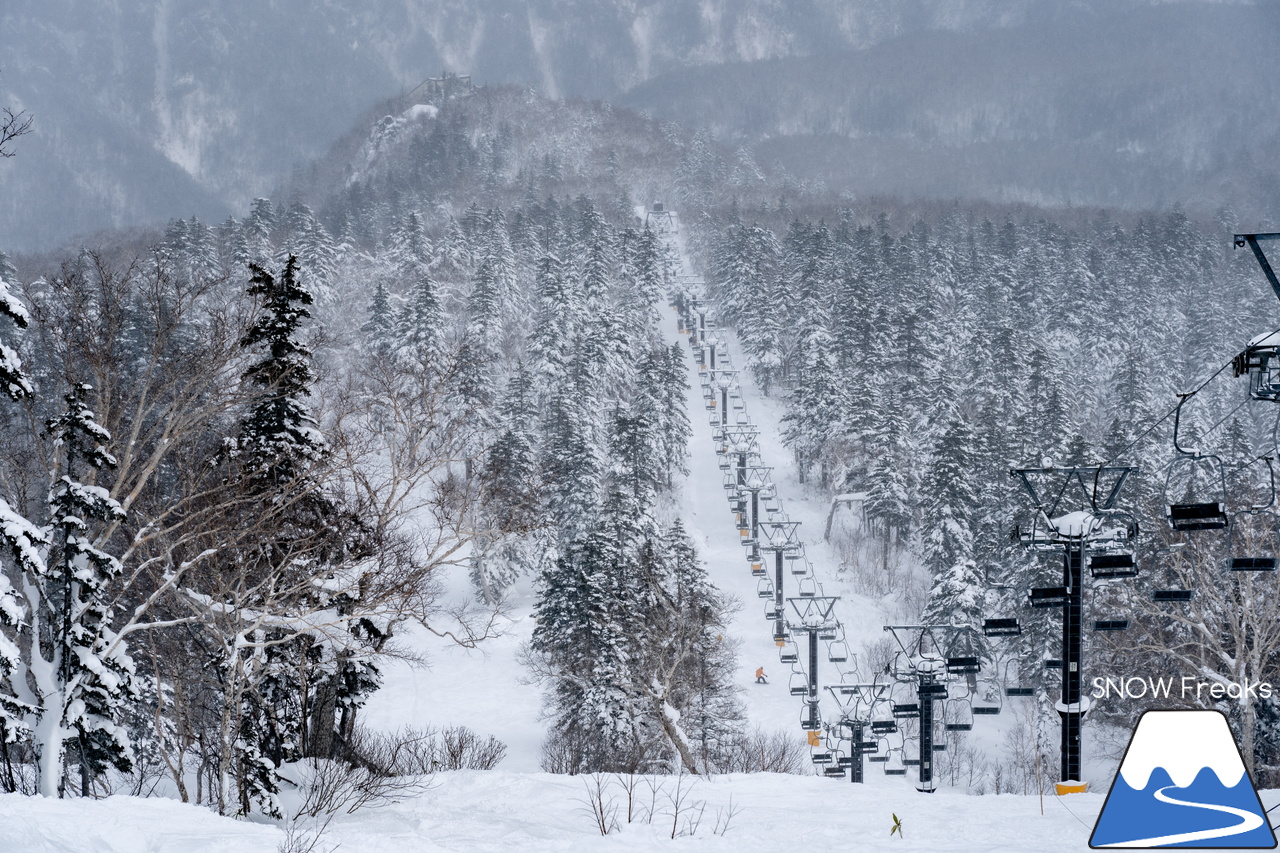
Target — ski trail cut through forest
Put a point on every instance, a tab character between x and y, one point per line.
710	522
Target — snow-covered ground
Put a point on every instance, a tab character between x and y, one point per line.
502	810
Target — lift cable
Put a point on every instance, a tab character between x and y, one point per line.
1186	395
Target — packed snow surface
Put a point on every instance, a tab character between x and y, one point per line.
503	811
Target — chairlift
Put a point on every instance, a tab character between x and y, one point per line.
757	569
764	589
808	587
1107	625
883	727
837	651
1113	565
772	612
905	710
933	690
798	684
820	756
1260	361
988	707
789	653
963	721
1016	692
828	633
810	717
963	665
1252	537
1001	627
1171	596
1200	505
1049	596
835	771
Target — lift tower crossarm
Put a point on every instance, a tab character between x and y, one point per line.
1251	240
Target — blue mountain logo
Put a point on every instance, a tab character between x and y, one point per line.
1182	783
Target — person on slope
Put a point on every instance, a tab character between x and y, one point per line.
760	677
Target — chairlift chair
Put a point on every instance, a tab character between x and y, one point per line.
883	727
808	587
1198	506
837	651
810	718
989	702
772	612
1171	596
764	589
1260	360
963	665
905	710
964	717
789	653
1108	566
1001	627
1050	596
828	633
1108	625
1252	536
798	684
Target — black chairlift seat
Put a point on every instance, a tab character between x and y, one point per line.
822	757
828	633
936	690
837	651
911	762
834	771
895	771
1171	595
788	655
1111	625
757	570
1053	663
1019	691
940	747
986	710
959	727
845	761
906	710
1048	596
879	759
1001	627
1106	566
764	589
1253	564
1206	516
866	747
883	727
963	665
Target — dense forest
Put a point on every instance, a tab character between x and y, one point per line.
243	453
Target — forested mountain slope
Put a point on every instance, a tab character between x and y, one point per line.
167	108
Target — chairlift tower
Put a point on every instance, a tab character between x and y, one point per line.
857	701
754	480
813	614
1075	515
930	672
780	537
724	380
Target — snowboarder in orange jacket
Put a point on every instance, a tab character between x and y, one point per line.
760	679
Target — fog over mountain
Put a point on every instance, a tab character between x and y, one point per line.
158	108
